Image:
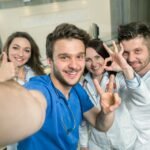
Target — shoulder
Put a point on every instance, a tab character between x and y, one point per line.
40	83
43	79
78	88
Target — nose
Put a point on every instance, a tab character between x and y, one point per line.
21	53
93	63
131	57
73	64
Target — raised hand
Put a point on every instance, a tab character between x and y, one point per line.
110	100
7	69
118	61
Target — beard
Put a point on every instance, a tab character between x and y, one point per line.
142	65
61	79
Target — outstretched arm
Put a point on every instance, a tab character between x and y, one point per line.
102	120
21	112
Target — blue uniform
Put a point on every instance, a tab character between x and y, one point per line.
63	117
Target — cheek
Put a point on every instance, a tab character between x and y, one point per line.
59	65
102	62
10	56
27	56
88	65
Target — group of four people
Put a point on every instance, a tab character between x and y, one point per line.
46	113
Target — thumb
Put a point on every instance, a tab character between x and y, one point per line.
4	58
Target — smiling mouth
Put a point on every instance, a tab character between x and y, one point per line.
18	59
134	65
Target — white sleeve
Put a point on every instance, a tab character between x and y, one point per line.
139	108
83	134
139	93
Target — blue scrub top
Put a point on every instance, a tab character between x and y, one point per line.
60	130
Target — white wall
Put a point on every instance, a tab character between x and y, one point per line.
41	20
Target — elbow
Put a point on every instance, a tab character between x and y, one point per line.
102	128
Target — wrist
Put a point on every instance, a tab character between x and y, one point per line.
128	72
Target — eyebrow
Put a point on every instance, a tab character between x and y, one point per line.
81	53
20	46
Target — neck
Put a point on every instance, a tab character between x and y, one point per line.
62	87
99	77
144	70
21	73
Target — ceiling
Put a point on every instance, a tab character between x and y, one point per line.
19	3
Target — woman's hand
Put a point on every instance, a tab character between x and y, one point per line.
110	100
7	69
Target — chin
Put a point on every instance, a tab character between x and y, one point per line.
73	82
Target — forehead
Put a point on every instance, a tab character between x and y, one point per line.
91	52
21	41
68	46
132	44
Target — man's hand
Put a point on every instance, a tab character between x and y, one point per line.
119	63
110	100
7	69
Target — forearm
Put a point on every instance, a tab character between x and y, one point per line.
20	114
139	90
104	121
128	72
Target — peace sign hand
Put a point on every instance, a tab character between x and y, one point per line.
7	69
110	100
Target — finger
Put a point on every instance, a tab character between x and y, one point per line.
16	71
106	108
108	49
4	58
117	99
108	68
109	59
115	47
121	49
117	102
110	87
97	86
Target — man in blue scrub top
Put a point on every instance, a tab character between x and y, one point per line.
48	114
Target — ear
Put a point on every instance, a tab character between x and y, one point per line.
49	61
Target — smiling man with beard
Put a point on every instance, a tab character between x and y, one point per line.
133	62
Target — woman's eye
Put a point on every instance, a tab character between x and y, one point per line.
28	50
97	57
87	60
81	57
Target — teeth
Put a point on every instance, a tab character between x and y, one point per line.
19	59
96	68
73	73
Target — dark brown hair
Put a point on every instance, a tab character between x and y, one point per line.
65	31
34	61
132	30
